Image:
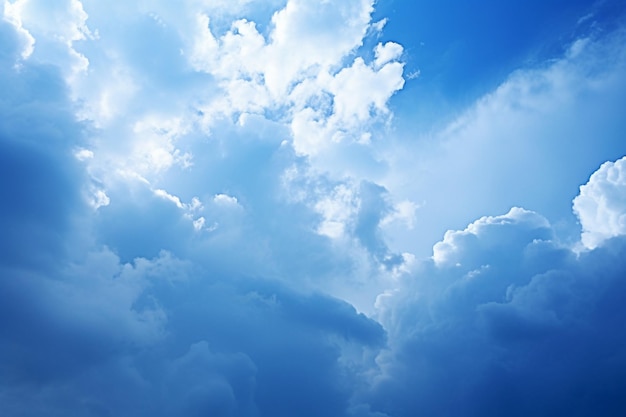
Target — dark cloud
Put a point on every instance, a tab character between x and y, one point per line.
39	178
509	324
373	208
295	341
191	342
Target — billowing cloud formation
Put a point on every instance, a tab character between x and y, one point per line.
601	204
293	95
197	200
504	320
84	333
156	338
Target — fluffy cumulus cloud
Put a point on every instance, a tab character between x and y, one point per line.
134	329
167	90
202	214
503	319
601	204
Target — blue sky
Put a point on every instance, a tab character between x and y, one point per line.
299	208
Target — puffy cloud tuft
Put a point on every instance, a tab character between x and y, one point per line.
488	232
601	204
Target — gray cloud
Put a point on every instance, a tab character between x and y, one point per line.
508	322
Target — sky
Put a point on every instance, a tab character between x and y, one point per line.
338	208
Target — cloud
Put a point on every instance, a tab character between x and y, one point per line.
170	91
98	319
301	66
505	320
199	200
218	344
450	251
387	52
215	384
529	143
50	32
40	180
601	204
358	93
11	14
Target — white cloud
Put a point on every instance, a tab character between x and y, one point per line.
449	251
300	66
190	210
601	204
343	107
531	142
359	89
164	194
307	38
163	78
199	223
12	13
298	73
338	211
225	200
387	52
107	98
154	147
99	198
83	154
47	25
403	212
309	33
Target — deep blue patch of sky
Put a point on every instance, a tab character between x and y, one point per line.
464	49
